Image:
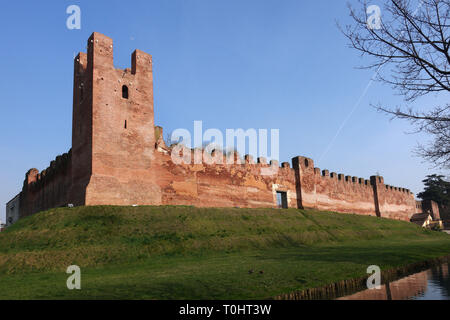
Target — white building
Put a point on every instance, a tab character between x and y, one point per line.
12	210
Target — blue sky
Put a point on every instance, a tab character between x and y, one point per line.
232	64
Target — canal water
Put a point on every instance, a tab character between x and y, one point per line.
431	284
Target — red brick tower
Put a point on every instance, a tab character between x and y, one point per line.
113	139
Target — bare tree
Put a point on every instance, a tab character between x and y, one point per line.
409	49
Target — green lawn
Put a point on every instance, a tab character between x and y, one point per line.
180	252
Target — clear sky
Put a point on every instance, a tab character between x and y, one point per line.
232	64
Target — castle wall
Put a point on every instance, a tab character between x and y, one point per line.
399	203
47	189
331	191
224	185
118	158
338	192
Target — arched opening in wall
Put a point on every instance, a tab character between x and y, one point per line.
125	92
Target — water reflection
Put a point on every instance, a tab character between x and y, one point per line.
432	284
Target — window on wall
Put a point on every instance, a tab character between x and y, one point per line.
125	92
282	200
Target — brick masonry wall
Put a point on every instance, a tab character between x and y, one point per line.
337	192
118	158
223	185
47	189
398	203
331	191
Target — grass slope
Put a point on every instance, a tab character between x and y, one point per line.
180	252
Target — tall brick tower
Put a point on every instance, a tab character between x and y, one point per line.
113	137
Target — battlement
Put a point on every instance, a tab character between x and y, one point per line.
323	190
119	157
100	55
214	157
141	62
35	180
325	174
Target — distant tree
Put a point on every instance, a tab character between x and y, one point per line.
168	139
408	43
436	189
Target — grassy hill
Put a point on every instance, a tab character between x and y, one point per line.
181	252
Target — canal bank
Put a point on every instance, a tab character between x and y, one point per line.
408	282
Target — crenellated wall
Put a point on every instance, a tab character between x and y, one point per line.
118	157
394	202
331	191
49	188
343	193
224	185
